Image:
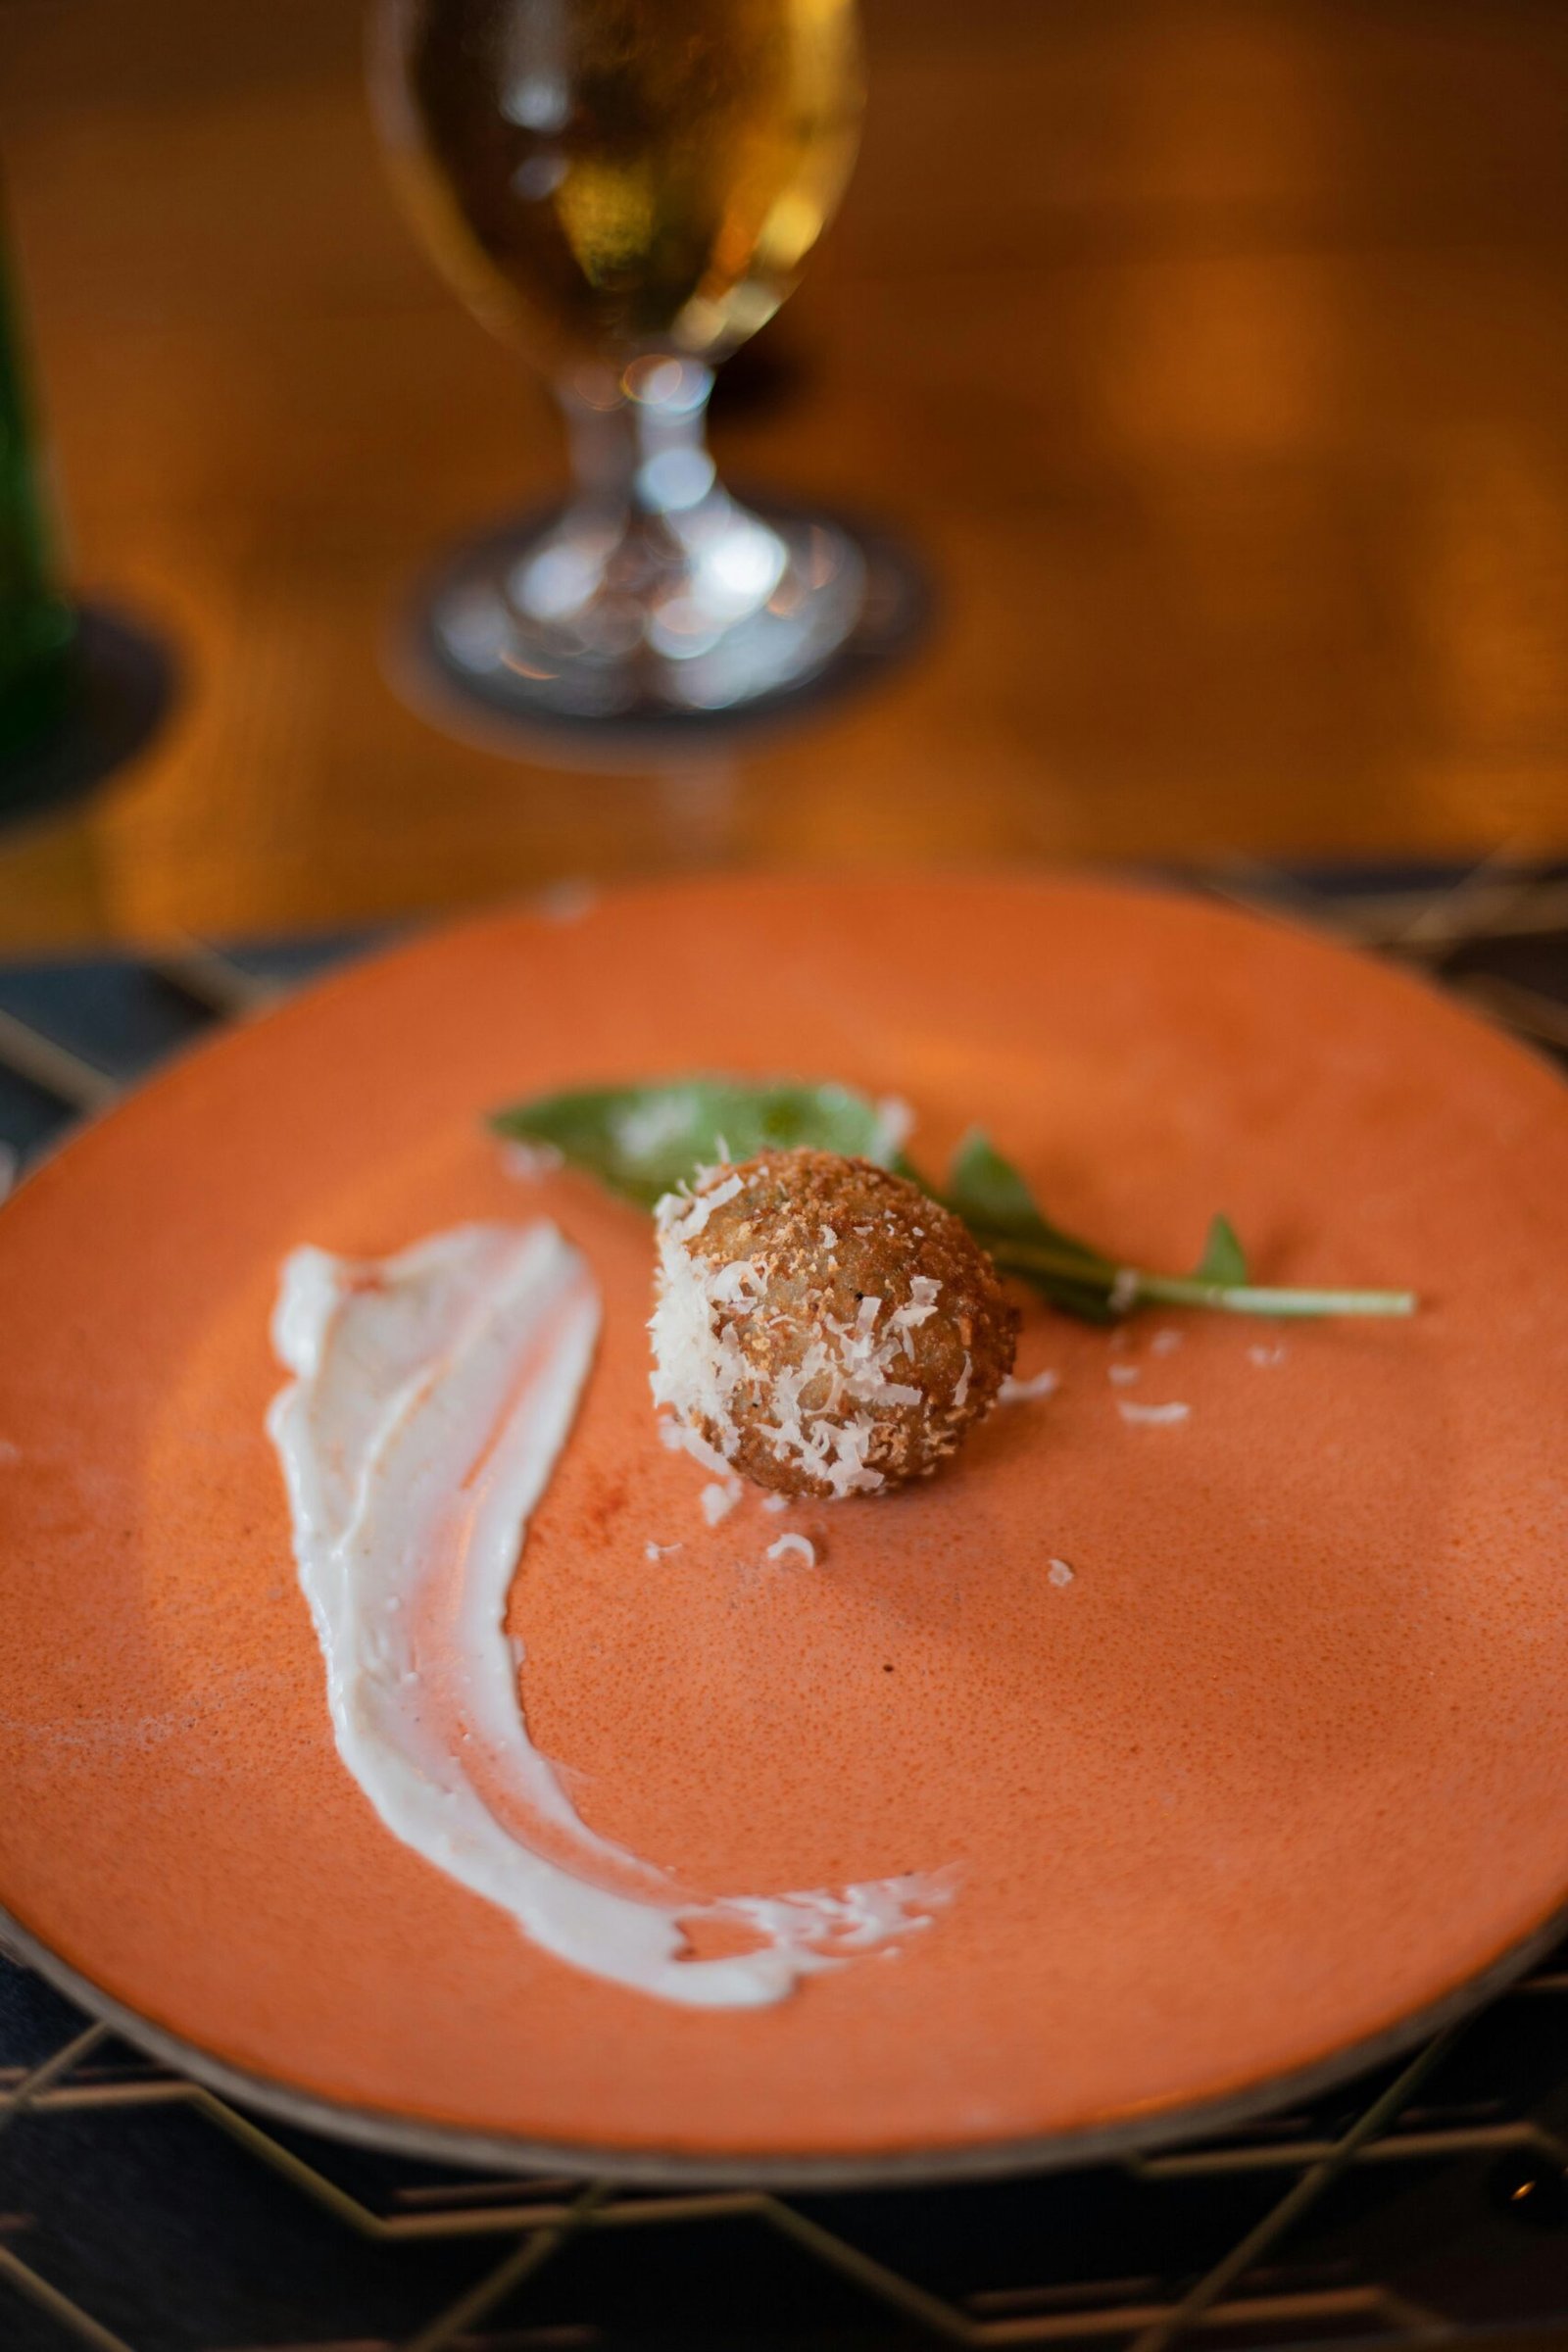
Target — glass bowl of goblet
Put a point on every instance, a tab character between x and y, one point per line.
625	190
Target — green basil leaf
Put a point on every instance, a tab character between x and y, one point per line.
1223	1259
1085	1302
991	1197
641	1141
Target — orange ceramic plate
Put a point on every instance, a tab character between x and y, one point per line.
1282	1766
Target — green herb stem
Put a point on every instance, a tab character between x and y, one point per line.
645	1139
1131	1287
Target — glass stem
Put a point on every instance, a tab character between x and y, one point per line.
639	452
653	590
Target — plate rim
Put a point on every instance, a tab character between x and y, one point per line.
391	2131
391	2134
411	935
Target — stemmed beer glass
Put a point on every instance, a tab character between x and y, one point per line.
626	189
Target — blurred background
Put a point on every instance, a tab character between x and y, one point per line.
1212	354
1210	358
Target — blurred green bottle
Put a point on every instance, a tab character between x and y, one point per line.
37	627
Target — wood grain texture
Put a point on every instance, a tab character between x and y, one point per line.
1216	355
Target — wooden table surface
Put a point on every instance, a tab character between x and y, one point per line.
1216	355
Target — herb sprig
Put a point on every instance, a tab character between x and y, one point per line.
641	1141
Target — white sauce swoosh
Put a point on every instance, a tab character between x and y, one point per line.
432	1393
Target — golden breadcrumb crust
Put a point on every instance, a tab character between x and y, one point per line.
826	1234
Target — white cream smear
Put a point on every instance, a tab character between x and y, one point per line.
432	1395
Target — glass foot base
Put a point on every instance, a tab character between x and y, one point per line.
552	622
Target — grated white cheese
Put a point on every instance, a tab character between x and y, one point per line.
1152	1417
741	1279
658	1552
1164	1343
696	1208
1121	1374
775	1502
698	1364
895	1122
961	1394
924	1290
680	1438
1024	1392
1267	1355
798	1543
1124	1290
820	1413
718	1500
1058	1572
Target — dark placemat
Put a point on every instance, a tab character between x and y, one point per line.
1423	2203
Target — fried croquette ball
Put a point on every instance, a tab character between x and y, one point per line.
822	1327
